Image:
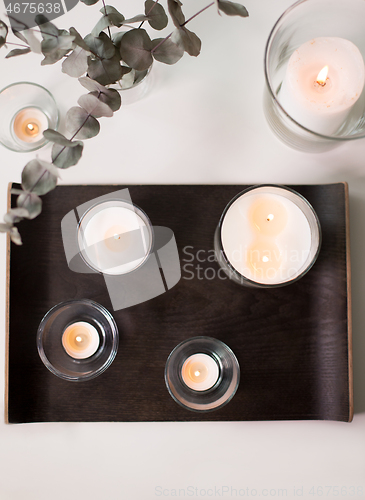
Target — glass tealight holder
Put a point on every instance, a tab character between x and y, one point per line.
64	359
221	367
301	23
27	109
268	236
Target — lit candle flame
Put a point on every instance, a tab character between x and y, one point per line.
78	339
197	373
322	76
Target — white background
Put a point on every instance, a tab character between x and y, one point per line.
202	123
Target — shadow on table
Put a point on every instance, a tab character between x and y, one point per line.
357	238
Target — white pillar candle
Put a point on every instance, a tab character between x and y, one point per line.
29	125
115	239
322	103
267	237
200	372
80	340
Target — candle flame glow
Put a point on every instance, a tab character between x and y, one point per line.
197	373
78	339
322	76
270	217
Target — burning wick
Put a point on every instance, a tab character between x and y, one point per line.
322	76
78	339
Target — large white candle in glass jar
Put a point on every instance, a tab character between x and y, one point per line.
115	237
324	78
268	235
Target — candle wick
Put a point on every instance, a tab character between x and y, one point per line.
197	373
78	339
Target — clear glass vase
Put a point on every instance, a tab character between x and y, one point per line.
304	21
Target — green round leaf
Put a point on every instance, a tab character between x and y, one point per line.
168	52
135	49
31	202
65	157
105	71
79	122
39	177
156	14
94	106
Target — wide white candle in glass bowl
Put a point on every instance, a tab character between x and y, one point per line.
268	236
115	237
324	78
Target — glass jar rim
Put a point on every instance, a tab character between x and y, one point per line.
272	93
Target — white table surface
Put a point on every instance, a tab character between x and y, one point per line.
202	123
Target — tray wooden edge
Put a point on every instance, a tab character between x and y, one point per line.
7	316
349	305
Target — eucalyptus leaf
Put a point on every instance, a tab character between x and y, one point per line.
76	63
105	71
5	228
56	43
111	17
128	78
15	236
39	177
135	19
135	49
31	202
188	40
117	38
156	15
89	2
100	45
78	40
176	13
79	122
16	215
94	107
56	137
112	98
65	157
3	33
168	52
17	52
232	8
18	34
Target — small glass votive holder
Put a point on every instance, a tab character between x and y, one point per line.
268	236
115	237
202	374
27	110
303	22
77	340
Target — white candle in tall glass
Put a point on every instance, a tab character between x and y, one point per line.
324	78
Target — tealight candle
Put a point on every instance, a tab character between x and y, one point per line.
115	239
200	372
80	340
269	235
324	79
29	125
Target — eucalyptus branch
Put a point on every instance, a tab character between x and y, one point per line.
105	60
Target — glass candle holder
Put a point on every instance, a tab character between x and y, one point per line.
77	340
27	109
305	112
268	236
115	237
202	374
134	86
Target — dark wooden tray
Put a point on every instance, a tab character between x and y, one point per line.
293	343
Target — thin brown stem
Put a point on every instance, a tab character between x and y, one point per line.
110	34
